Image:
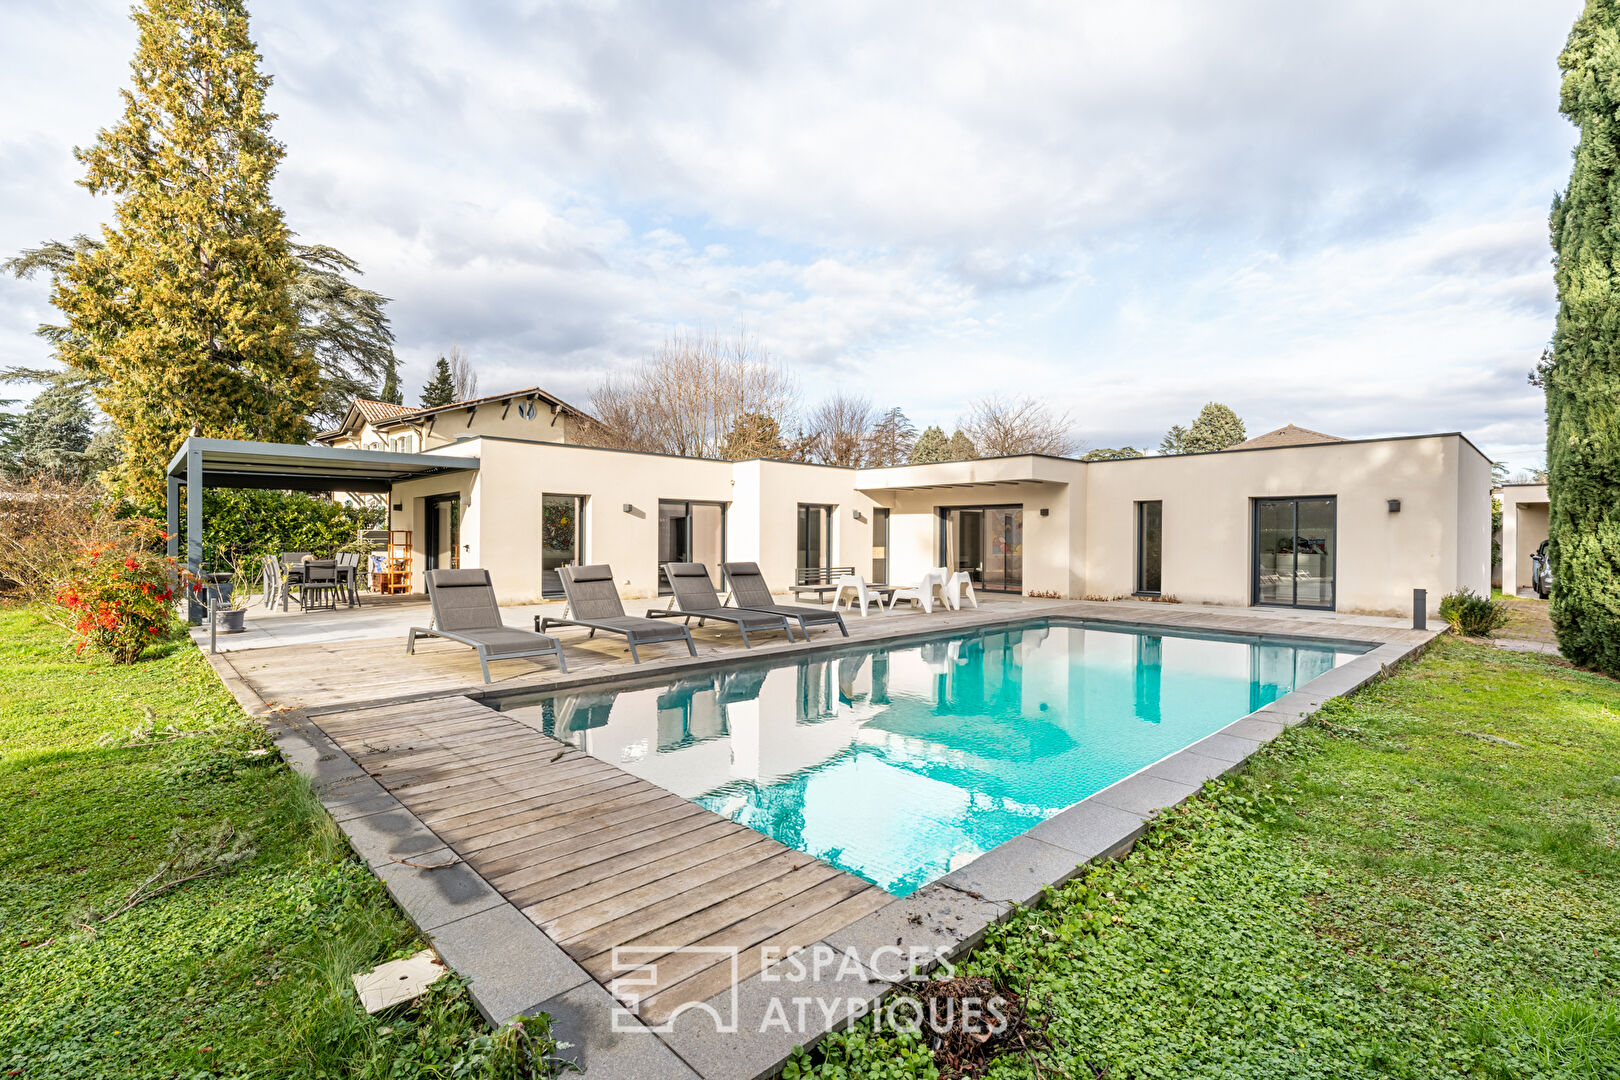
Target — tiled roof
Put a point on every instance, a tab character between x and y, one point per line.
1287	435
377	411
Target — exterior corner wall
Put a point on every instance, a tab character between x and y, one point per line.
1524	527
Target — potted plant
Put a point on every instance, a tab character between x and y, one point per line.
231	595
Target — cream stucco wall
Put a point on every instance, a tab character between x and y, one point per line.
1083	546
1524	527
1434	542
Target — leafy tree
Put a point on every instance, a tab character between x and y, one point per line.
931	446
960	448
891	439
1581	373
1216	428
246	524
342	325
755	435
183	313
441	389
1104	454
53	433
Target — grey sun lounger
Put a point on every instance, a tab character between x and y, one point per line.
464	610
593	602
696	599
748	590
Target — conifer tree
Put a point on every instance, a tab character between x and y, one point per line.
891	438
1581	373
390	387
183	313
441	389
53	433
961	447
931	446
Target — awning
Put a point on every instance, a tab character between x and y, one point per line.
232	463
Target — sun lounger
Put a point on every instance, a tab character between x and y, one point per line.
695	598
748	590
464	610
593	603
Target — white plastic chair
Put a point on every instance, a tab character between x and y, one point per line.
852	590
959	588
924	592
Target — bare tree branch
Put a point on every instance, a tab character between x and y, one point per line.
1003	427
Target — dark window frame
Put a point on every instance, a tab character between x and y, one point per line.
1254	551
1137	587
799	525
725	536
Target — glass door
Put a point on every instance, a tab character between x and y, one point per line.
815	537
562	538
987	542
442	544
691	532
1295	551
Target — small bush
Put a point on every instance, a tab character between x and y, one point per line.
1467	612
119	593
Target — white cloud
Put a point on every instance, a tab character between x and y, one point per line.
1326	214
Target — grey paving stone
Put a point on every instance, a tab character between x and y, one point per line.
910	934
1143	794
508	961
1090	830
1224	747
392	834
1188	767
1016	872
791	1004
1262	726
356	797
583	1016
432	898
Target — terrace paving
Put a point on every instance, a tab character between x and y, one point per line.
547	876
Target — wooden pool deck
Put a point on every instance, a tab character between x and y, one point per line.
545	875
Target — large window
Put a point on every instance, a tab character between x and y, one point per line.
1295	551
987	542
815	536
562	538
691	532
1149	547
880	545
442	544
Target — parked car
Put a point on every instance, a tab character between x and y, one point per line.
1541	575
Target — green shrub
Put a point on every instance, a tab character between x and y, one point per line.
118	593
1467	612
245	524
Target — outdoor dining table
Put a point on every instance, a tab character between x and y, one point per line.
346	576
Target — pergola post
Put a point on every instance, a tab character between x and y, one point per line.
194	524
174	517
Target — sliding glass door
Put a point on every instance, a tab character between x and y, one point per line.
562	538
815	537
987	542
442	544
691	532
880	545
1295	551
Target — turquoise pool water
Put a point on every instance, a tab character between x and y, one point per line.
900	763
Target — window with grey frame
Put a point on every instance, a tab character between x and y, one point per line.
1149	548
691	532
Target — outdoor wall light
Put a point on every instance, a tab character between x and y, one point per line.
1394	506
858	515
629	509
399	506
1046	512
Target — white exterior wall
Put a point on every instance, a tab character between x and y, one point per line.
1524	527
1084	546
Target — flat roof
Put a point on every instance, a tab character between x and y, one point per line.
238	463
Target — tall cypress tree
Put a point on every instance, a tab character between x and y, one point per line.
441	389
184	313
1581	373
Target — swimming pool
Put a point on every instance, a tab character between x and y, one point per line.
902	762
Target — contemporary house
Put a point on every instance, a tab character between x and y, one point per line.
1524	527
1291	519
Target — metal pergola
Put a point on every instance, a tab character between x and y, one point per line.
201	463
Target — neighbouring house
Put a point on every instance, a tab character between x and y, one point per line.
1287	435
1524	527
1319	523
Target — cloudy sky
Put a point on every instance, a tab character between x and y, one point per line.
1326	214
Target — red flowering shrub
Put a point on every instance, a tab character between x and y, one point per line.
120	594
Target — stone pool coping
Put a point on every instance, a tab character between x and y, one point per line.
513	967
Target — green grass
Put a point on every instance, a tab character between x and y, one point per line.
1381	894
241	973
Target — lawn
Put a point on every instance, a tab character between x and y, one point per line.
105	773
1422	882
